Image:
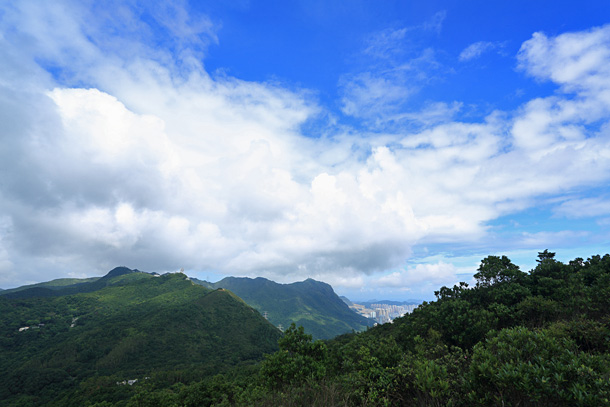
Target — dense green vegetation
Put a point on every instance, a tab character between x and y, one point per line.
159	330
310	304
57	284
70	286
514	339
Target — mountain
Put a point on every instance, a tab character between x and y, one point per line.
346	300
309	303
70	286
126	325
514	338
57	284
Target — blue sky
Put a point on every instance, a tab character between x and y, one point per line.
384	147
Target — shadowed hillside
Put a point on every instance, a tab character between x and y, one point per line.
310	303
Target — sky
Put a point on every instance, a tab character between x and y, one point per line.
383	147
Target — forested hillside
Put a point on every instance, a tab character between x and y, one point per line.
310	304
68	286
72	350
514	339
53	284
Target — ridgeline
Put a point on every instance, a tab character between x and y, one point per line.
310	304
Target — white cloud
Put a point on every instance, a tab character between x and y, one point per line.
377	94
584	208
435	24
191	171
395	68
7	272
386	44
393	43
157	165
436	274
577	61
476	49
432	114
551	239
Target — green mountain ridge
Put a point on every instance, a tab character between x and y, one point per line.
346	300
66	286
125	325
310	303
71	286
56	284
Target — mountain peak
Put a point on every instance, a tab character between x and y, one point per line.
119	271
310	303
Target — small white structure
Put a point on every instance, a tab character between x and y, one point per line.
129	382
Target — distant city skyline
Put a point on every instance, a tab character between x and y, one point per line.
384	148
383	313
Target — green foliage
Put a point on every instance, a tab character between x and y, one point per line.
165	328
310	304
521	339
495	270
298	360
57	284
523	367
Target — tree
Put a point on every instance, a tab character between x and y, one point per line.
495	269
521	367
545	255
298	360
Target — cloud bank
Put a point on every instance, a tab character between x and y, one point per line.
115	151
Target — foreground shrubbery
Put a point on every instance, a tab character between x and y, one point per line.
515	339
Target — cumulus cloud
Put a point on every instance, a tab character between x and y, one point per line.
173	170
577	61
136	158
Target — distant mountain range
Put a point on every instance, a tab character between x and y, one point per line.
310	303
75	335
346	300
70	286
